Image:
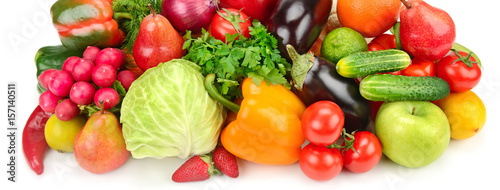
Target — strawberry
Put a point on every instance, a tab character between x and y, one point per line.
197	168
225	162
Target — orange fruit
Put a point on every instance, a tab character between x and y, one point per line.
369	17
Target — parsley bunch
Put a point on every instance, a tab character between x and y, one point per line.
256	57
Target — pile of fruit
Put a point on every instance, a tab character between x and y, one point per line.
222	82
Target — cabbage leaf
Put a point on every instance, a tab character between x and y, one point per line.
167	112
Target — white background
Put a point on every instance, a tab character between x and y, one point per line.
471	163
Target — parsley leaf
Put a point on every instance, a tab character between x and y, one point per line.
256	57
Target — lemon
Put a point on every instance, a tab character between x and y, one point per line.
466	113
60	135
342	42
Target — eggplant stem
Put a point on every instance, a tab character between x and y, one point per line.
300	67
212	91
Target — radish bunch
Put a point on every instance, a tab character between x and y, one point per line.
83	81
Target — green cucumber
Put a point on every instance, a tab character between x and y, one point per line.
366	63
387	87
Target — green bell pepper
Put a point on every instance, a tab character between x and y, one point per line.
52	57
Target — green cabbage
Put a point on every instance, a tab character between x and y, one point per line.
167	112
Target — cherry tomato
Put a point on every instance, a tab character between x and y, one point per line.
236	22
367	155
320	163
382	42
459	70
322	123
420	68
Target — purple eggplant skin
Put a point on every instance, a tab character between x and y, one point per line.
322	82
298	23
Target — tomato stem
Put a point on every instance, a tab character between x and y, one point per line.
233	19
348	140
466	60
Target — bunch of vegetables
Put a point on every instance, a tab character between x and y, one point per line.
239	83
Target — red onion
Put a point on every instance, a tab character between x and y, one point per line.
189	14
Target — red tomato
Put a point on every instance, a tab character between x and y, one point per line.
382	42
224	23
369	152
462	74
374	47
393	73
320	163
420	68
322	123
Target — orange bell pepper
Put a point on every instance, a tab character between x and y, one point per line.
267	129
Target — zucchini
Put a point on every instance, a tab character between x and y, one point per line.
387	87
366	63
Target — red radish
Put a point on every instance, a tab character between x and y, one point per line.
112	56
60	83
91	53
82	93
126	78
197	168
48	101
67	110
104	75
82	71
225	162
43	78
108	96
69	63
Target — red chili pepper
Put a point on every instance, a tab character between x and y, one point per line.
34	144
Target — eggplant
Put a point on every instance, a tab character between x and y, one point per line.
298	23
316	79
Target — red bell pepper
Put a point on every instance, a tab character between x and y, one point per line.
82	23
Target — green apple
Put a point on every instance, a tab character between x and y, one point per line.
412	133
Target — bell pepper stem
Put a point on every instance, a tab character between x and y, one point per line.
301	65
122	15
212	91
